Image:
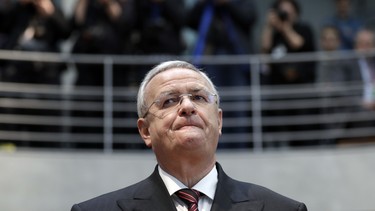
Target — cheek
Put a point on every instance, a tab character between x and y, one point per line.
212	120
160	127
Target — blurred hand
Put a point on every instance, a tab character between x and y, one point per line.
276	23
272	20
44	7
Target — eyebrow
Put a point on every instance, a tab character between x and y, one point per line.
190	90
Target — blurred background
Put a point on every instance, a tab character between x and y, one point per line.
296	81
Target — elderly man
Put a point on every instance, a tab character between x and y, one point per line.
365	43
180	119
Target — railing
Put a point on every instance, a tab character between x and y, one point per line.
81	117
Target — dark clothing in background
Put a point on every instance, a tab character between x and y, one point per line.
229	31
296	72
158	31
348	28
22	28
241	14
49	31
159	25
225	29
101	34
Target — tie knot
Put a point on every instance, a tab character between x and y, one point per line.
190	197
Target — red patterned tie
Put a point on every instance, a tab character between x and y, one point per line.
190	197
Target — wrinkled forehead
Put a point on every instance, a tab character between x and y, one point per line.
177	80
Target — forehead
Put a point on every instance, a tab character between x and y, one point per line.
365	37
329	32
176	79
286	5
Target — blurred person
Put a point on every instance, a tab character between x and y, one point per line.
224	27
329	39
180	120
333	73
159	30
363	67
102	27
38	26
5	7
159	23
347	24
33	25
284	33
365	43
329	71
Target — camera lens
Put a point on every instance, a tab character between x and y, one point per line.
282	15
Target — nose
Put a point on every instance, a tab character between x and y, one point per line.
187	107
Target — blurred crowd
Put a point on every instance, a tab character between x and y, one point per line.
156	27
133	27
147	27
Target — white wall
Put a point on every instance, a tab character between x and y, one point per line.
334	180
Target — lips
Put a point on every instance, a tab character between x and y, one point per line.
187	124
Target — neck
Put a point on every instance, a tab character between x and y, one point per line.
189	172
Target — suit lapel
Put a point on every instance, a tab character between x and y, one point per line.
230	196
150	195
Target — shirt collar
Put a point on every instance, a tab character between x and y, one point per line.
207	185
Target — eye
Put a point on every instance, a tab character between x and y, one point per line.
170	101
199	98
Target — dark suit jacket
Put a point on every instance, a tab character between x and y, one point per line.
152	195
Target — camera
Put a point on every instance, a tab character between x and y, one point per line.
283	16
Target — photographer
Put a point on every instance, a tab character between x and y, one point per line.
33	25
102	27
283	33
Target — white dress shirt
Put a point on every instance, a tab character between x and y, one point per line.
207	186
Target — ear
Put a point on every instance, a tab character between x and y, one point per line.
220	119
143	129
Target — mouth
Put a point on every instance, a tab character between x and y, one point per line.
187	125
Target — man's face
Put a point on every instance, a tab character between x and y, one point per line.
188	126
364	42
343	7
330	40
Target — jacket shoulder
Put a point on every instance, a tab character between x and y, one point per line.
240	191
271	199
108	201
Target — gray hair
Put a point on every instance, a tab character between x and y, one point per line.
164	66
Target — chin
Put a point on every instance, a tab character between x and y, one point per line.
192	141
